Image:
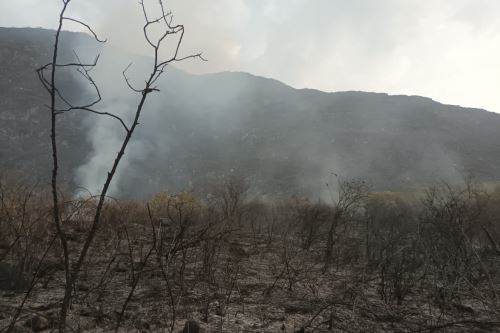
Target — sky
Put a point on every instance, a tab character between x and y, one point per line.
448	50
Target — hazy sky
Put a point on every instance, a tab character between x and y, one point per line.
448	50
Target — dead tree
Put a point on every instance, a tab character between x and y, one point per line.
231	198
351	194
59	105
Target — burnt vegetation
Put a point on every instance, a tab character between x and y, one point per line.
367	261
361	260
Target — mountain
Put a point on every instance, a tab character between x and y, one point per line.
24	118
200	129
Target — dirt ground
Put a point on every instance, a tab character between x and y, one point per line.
252	289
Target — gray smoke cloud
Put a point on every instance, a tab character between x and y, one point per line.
199	130
406	47
106	134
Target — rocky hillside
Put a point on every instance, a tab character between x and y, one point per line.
24	118
200	129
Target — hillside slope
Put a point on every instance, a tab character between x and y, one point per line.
202	128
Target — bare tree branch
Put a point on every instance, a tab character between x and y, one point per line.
124	73
86	26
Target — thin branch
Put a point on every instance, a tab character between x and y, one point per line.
124	73
165	15
85	72
84	108
199	56
75	64
86	26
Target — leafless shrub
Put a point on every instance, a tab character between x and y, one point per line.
347	205
309	220
230	198
452	234
24	228
392	245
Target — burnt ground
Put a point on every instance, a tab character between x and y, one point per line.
251	283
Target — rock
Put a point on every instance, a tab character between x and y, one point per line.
83	287
464	308
238	251
138	265
133	307
72	237
37	323
301	330
121	268
50	266
89	312
191	326
18	328
45	306
219	311
85	325
11	278
144	325
52	315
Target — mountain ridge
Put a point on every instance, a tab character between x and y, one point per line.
85	36
201	129
354	91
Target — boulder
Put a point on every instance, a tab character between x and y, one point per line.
19	328
121	268
191	326
37	323
11	278
82	286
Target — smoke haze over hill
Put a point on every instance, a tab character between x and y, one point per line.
203	128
